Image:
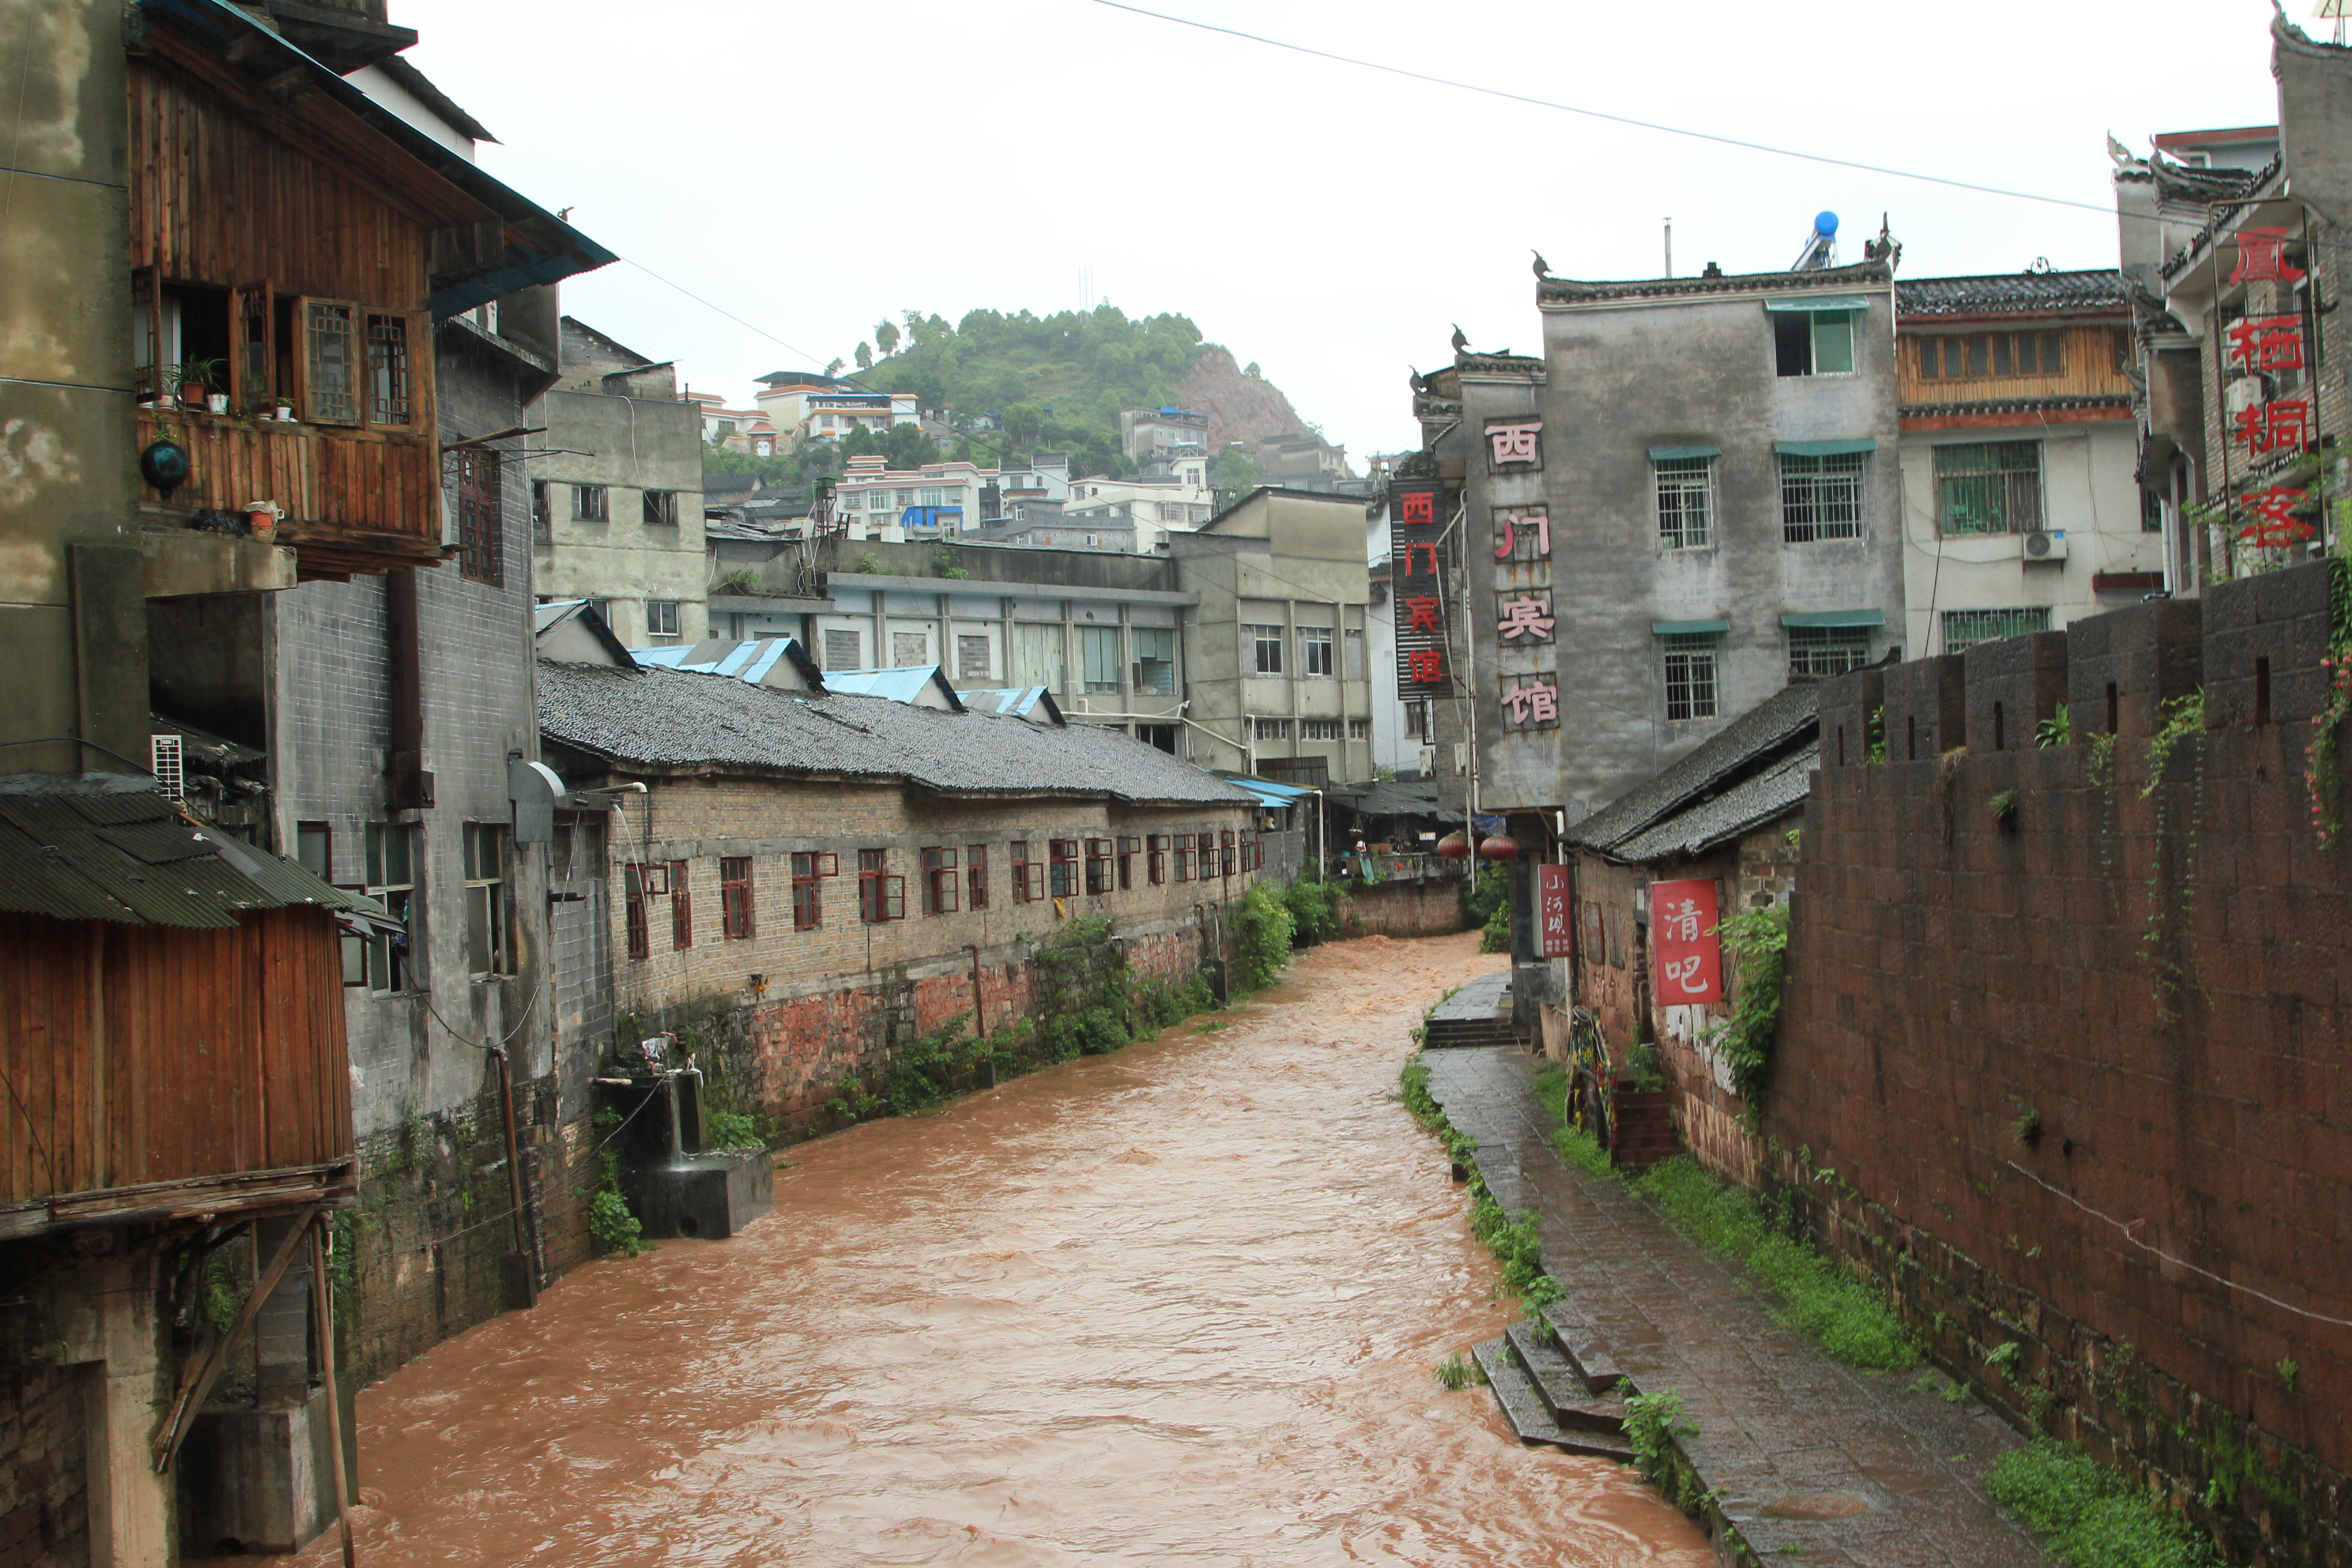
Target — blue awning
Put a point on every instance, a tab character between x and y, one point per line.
1273	796
1834	618
1684	628
1668	454
1824	448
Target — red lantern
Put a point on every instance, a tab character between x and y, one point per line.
1453	846
1501	847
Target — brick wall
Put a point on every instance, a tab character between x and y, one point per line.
1402	906
1999	1021
44	1521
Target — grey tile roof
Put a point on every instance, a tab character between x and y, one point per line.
1577	290
1761	735
663	719
2097	289
1773	793
90	849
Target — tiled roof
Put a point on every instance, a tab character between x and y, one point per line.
108	848
1575	291
1758	737
2096	289
663	719
1771	794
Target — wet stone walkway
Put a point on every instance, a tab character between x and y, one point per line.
1781	1428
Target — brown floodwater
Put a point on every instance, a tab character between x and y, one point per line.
1175	1305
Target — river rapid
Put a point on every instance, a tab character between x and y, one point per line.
1175	1305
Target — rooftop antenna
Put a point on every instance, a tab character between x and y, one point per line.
1085	289
2335	9
1670	245
1820	246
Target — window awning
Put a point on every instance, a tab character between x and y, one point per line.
1834	618
1821	302
1682	628
1823	448
1668	454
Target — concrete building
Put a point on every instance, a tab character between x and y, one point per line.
1688	502
1276	658
745	430
937	501
2022	509
1155	507
1043	476
2237	239
1147	433
616	491
1403	734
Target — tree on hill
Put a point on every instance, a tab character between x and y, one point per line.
885	336
864	357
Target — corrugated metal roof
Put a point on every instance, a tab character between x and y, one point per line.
910	685
1013	701
86	849
663	719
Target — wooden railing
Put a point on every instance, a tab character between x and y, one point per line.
354	499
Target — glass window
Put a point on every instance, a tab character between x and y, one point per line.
941	885
880	896
1318	729
389	400
1685	501
1820	498
809	871
641	941
1028	875
488	935
481	516
1155	660
1128	847
735	911
1155	858
1267	646
1359	729
681	908
1993	487
1813	342
1816	653
661	617
878	501
1065	865
1098	871
1098	656
1270	728
1965	629
1690	674
660	507
392	882
1315	650
590	503
334	394
975	862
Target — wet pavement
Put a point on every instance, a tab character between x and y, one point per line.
1781	1428
1176	1305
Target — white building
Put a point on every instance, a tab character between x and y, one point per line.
938	500
1157	507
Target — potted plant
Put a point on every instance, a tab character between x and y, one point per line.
284	411
197	378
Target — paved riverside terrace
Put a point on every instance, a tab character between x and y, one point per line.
1782	1429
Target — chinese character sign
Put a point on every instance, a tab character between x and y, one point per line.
1555	929
1524	617
1690	955
2262	258
1417	577
1514	441
1522	534
2274	525
1532	703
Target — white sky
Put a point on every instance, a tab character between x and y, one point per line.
813	168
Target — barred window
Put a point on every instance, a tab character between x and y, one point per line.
1816	653
1992	487
1685	501
1820	498
1965	629
1690	674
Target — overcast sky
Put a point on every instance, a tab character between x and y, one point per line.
812	168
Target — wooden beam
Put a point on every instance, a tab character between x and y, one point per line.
174	1431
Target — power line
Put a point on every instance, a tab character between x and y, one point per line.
1663	129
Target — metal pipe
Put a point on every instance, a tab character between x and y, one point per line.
322	1304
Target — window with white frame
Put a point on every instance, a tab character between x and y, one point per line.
1270	728
1266	644
1315	651
1318	729
489	926
1359	729
1685	501
1098	658
661	617
392	882
590	503
660	507
1821	497
1690	672
1817	653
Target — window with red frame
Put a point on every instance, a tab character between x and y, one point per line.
975	876
941	890
809	871
1028	876
1065	865
1128	847
735	912
1225	852
880	896
1155	858
681	908
1183	857
1098	865
640	942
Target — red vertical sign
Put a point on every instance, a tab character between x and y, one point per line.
1690	955
1555	927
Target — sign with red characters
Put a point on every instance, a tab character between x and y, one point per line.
1418	580
1690	955
1555	922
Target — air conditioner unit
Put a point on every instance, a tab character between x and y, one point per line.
1429	761
2045	544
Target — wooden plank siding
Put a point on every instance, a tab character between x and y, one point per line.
338	487
2089	355
147	1054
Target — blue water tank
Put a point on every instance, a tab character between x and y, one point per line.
1825	225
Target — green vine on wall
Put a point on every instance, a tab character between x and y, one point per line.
1759	940
2319	772
2173	918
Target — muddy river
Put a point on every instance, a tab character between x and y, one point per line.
1177	1305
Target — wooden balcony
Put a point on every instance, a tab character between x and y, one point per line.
357	501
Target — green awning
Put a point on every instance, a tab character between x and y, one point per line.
1682	628
1668	454
1821	302
1834	618
1823	448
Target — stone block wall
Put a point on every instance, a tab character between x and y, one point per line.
43	1487
1405	906
2065	1058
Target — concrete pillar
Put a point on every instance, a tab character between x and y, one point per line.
281	1329
127	1387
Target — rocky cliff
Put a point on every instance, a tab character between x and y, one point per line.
1239	408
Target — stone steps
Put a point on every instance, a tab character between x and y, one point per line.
1532	1416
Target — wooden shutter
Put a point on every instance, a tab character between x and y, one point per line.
253	347
328	361
147	300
